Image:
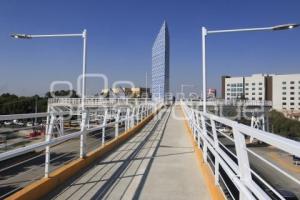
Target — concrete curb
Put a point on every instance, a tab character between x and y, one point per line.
214	191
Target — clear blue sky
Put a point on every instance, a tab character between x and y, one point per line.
121	34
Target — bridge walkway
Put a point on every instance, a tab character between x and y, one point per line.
157	163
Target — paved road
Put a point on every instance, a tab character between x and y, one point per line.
17	177
157	163
268	173
274	177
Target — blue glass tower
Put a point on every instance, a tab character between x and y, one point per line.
160	65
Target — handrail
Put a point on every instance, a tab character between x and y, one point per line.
31	115
238	170
217	102
53	141
94	101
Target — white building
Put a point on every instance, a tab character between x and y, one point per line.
234	88
282	90
286	92
251	87
255	87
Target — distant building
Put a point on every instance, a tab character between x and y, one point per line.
286	92
282	90
255	87
160	65
223	85
120	92
211	93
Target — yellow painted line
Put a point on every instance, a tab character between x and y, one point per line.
40	188
209	179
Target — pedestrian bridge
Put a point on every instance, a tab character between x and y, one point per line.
150	152
159	162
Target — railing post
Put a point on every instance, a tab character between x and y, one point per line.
133	117
198	132
193	123
117	123
138	114
84	122
205	135
49	131
216	146
143	112
242	156
104	125
147	110
61	125
127	120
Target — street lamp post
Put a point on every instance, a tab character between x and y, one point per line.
84	63
206	32
242	154
83	35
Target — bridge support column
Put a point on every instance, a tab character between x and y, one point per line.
142	112
49	132
117	123
138	114
60	126
127	121
104	124
132	117
83	133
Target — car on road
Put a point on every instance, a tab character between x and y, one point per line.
18	123
7	123
296	160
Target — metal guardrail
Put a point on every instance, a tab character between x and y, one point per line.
30	115
125	118
235	161
132	117
93	101
218	102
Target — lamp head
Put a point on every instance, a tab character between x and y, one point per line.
285	27
21	36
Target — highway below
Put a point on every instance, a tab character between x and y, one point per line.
30	167
268	173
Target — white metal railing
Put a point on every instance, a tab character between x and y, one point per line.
122	117
233	102
93	101
235	160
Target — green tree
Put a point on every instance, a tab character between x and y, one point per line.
284	126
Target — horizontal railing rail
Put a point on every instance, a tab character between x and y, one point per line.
94	101
231	102
228	150
112	123
31	115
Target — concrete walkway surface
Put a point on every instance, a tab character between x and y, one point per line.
157	163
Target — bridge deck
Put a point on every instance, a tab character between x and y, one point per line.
157	163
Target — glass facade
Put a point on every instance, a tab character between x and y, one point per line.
160	65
